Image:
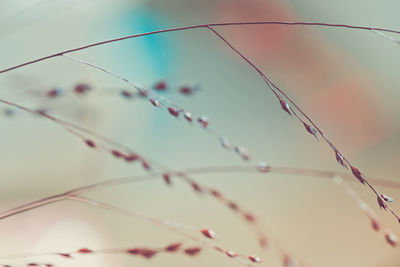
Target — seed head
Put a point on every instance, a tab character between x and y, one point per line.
230	253
155	102
358	174
391	239
188	116
224	143
263	167
387	198
285	106
85	251
311	130
192	251
160	86
255	259
203	120
208	233
340	159
173	111
173	247
90	143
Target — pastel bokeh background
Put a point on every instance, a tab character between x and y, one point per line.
347	81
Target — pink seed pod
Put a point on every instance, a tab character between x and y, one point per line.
242	152
90	143
53	93
85	251
203	120
173	247
231	253
263	167
117	154
65	255
387	198
155	102
167	178
143	92
131	157
340	159
375	224
126	94
134	251
215	193
381	202
82	88
391	239
249	217
196	187
255	259
148	253
160	86
263	241
285	106
233	206
208	233
288	261
192	251
185	90
311	130
146	165
358	174
173	111
224	143
188	116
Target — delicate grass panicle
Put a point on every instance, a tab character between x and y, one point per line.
204	237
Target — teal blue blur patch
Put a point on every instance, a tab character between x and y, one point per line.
156	51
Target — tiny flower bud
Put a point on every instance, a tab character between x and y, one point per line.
375	224
155	102
391	239
126	94
381	202
358	174
173	247
224	143
230	253
131	157
290	262
340	159
387	198
285	106
160	86
54	92
192	251
188	116
90	143
208	233
263	167
82	88
85	251
167	178
117	154
203	120
173	111
146	165
311	130
255	259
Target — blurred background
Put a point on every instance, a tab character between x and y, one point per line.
346	80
